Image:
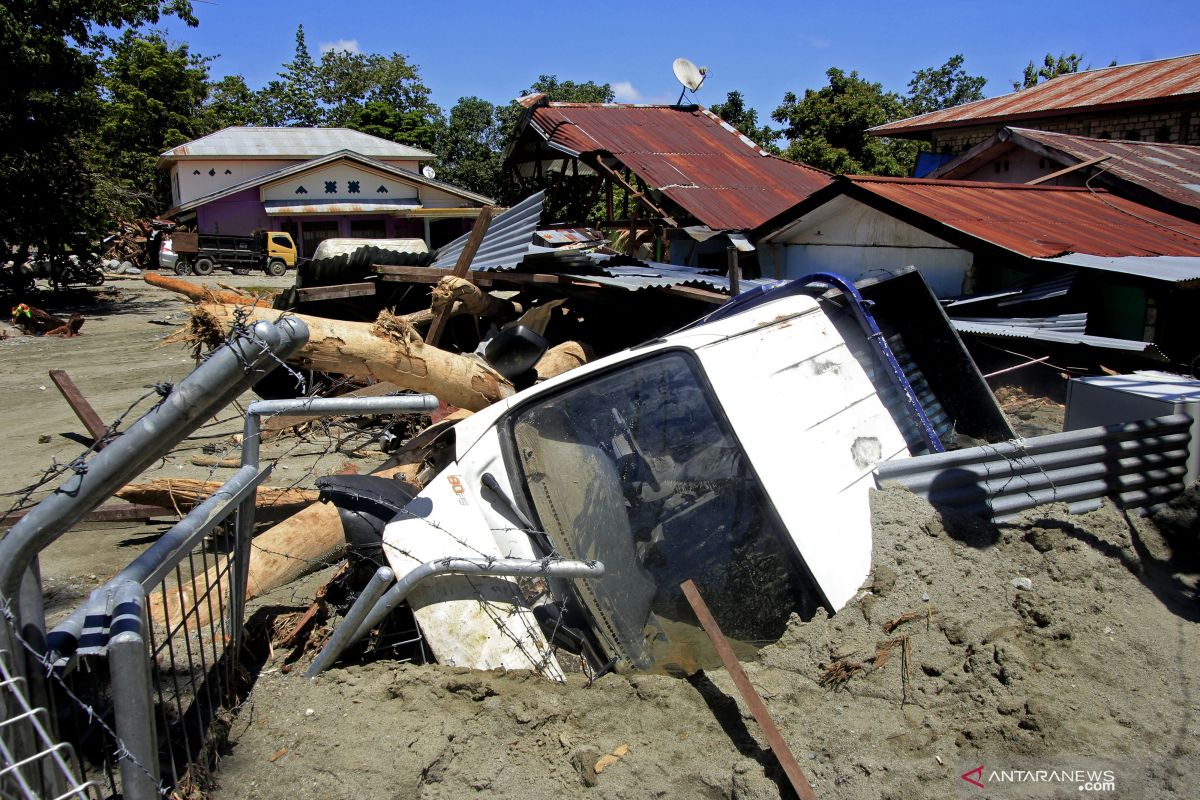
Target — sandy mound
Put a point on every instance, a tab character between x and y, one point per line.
1055	642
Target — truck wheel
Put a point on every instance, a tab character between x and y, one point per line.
203	266
276	268
183	267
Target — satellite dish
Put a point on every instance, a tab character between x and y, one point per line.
689	75
428	172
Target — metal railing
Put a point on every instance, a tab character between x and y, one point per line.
1136	463
122	653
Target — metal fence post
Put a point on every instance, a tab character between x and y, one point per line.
133	705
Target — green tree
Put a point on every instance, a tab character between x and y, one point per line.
735	112
153	96
1051	67
470	146
416	128
943	87
827	128
297	93
52	170
231	102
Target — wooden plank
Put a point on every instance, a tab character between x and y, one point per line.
762	716
461	268
117	512
410	274
1091	162
480	278
598	163
338	292
79	404
692	293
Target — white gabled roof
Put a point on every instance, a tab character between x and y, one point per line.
290	143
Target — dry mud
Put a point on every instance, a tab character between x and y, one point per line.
1092	666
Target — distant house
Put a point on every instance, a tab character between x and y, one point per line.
1132	270
670	168
1155	101
1163	176
315	183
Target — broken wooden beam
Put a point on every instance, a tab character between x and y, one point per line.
79	404
339	292
461	267
762	716
185	493
114	512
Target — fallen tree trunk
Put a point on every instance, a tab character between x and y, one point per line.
387	350
202	294
465	297
185	493
302	543
562	358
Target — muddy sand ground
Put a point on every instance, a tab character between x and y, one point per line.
1090	667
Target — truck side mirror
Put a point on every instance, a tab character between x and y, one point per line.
514	351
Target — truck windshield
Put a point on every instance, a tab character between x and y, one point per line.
639	469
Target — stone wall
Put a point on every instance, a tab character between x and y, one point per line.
1146	124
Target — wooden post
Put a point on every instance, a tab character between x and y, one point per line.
79	404
774	738
460	271
735	271
631	248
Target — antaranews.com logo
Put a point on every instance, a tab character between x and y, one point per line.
1084	780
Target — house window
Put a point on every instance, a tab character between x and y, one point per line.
314	233
367	229
330	187
1163	134
352	187
381	190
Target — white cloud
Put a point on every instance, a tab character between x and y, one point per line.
819	42
625	92
346	45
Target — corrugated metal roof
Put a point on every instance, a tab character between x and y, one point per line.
698	161
507	241
1165	79
1041	221
1010	331
275	207
1169	170
243	142
1070	323
296	169
1175	269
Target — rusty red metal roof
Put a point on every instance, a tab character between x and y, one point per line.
1169	170
1167	79
1040	221
700	162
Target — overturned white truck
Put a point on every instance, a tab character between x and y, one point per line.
737	452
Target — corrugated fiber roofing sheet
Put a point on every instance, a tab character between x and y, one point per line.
245	142
701	163
1042	222
1168	78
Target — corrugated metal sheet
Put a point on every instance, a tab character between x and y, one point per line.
1021	294
1136	463
1008	330
1042	221
243	142
1165	79
1168	170
1175	269
1067	323
338	207
508	239
701	163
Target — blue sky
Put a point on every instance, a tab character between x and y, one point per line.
495	49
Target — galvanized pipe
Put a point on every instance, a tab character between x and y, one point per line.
324	407
133	704
229	371
161	557
340	640
457	566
